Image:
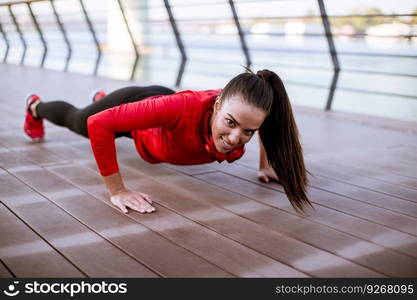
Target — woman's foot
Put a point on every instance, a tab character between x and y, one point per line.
33	125
97	96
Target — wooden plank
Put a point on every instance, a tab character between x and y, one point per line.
229	255
321	236
380	169
385	161
122	232
11	139
148	187
381	160
404	153
399	237
343	204
379	173
337	219
406	150
362	119
210	245
25	253
191	170
354	192
355	178
335	137
31	151
204	206
4	272
401	259
71	238
18	81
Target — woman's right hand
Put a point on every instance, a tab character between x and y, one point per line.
134	200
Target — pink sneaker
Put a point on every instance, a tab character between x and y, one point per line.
33	127
97	96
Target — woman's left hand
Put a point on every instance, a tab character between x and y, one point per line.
267	174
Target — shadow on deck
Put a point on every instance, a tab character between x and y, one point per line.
214	220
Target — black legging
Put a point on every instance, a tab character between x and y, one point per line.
64	114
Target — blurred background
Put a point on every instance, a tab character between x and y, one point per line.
353	55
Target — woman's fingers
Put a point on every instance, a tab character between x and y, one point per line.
146	197
262	177
140	204
275	179
268	175
123	209
134	200
135	206
120	205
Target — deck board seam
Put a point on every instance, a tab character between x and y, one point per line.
42	238
366	202
354	216
220	233
178	213
366	188
328	177
332	208
329	191
308	243
7	268
83	224
264	226
134	220
314	221
357	170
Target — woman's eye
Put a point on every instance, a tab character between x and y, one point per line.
229	122
250	132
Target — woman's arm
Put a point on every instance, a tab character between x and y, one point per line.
114	183
122	197
266	173
102	128
104	149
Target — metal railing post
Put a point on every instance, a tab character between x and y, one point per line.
179	42
22	38
93	33
64	35
132	39
241	35
6	40
333	53
38	28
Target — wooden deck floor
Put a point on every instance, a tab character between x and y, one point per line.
213	220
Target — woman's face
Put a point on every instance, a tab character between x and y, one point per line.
234	122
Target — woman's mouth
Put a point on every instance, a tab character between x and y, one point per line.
225	145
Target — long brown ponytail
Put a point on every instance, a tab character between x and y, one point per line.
280	137
279	133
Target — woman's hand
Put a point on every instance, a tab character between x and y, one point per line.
134	200
267	174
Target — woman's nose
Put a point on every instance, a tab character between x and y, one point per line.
234	138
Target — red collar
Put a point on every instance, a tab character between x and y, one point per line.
209	143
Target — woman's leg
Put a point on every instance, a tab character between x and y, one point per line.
64	114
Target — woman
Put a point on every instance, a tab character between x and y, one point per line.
186	128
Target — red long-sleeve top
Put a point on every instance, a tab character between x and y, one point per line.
168	128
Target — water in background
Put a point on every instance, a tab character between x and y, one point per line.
213	59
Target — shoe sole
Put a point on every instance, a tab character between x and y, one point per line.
93	95
36	140
27	99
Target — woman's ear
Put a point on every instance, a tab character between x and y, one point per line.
217	104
